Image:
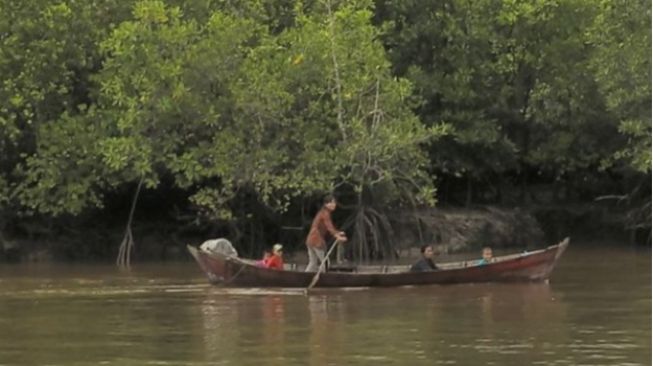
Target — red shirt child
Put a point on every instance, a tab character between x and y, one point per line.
275	261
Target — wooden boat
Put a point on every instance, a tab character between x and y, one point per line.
534	266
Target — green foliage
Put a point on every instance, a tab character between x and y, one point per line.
278	100
48	52
331	81
227	105
64	175
622	67
517	80
447	49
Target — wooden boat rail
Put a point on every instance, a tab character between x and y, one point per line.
401	268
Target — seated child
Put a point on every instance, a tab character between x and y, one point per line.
275	261
487	256
261	262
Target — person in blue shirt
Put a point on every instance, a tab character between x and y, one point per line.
425	264
487	256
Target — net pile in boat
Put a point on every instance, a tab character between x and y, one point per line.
219	246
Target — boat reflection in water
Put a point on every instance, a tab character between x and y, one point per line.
464	324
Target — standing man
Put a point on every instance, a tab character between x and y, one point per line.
320	228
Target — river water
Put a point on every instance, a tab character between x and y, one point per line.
595	311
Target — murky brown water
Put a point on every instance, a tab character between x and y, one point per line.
596	311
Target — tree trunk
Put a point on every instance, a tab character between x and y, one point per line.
124	253
468	198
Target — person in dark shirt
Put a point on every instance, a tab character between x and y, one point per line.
425	264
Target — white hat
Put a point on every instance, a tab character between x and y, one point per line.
276	248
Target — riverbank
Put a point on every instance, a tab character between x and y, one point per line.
450	229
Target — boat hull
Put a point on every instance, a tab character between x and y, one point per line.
526	267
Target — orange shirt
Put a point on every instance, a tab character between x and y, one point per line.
321	225
274	262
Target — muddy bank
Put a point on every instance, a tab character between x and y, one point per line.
463	230
456	230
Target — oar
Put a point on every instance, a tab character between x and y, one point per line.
319	270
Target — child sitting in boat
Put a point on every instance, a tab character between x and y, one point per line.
275	261
487	256
266	256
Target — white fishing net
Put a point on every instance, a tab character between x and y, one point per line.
219	246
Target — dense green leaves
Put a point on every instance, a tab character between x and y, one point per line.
48	54
223	104
622	66
278	100
527	86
